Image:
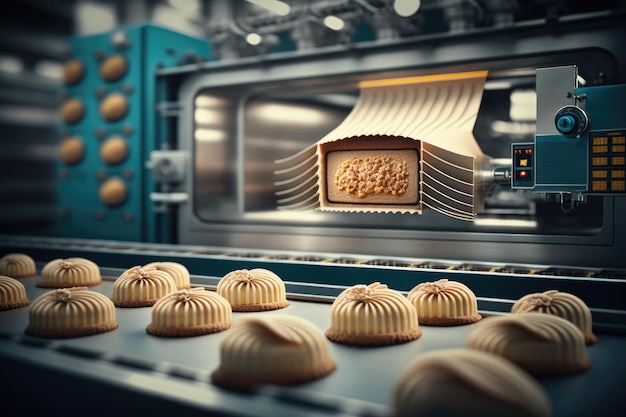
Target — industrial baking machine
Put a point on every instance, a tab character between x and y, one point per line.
518	136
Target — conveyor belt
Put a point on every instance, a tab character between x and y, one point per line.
314	275
161	376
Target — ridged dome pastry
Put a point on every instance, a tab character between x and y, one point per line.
17	265
12	294
190	312
542	344
444	303
561	304
275	349
179	272
372	315
141	287
71	312
253	290
70	272
468	383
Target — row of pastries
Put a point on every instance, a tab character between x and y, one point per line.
545	334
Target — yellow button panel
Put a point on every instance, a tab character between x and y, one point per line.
607	157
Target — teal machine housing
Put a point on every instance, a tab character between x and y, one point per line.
580	144
142	128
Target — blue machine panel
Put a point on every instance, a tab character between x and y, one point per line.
593	161
104	193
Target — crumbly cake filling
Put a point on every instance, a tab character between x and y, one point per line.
372	175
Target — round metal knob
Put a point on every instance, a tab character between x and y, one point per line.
571	121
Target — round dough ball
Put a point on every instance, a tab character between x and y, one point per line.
72	150
113	68
73	72
114	151
113	192
114	107
72	111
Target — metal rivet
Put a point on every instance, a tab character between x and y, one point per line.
101	133
128	217
101	174
99	215
99	54
127	130
100	92
64	214
127	174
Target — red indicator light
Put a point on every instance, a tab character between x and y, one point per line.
523	174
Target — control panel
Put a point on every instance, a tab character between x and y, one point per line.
580	144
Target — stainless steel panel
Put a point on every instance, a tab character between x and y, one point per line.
553	86
521	227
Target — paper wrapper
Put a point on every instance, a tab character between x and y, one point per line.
407	145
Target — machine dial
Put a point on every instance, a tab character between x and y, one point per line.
571	121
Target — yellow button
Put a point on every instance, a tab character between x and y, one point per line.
599	161
618	148
618	140
599	174
600	149
618	174
598	185
618	160
600	140
618	185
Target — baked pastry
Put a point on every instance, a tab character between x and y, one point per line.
275	349
372	315
70	272
141	287
12	294
561	304
542	344
444	303
253	290
71	312
17	265
178	271
190	312
465	382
